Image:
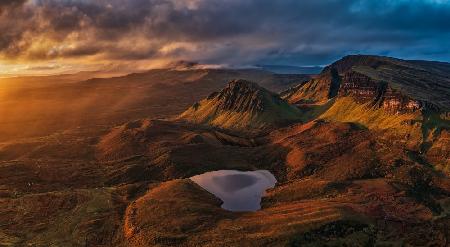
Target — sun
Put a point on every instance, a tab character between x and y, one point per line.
7	70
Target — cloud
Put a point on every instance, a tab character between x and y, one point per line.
11	3
222	31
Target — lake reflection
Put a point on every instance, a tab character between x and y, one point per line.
239	191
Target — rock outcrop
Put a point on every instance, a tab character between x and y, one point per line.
367	90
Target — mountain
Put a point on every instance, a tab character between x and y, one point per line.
288	69
241	105
409	85
410	97
393	84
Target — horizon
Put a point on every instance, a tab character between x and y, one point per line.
108	74
65	37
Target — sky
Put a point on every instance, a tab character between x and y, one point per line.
58	36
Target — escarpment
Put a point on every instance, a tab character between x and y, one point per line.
397	86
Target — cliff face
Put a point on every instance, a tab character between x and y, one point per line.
361	87
394	101
367	90
240	96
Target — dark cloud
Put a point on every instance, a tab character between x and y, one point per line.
11	3
224	31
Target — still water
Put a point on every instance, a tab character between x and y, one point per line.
239	191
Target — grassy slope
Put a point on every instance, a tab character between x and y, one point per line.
424	134
347	110
62	218
314	91
276	112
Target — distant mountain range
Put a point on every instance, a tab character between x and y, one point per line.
287	69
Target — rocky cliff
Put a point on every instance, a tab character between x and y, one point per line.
364	89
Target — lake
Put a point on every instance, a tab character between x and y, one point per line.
239	191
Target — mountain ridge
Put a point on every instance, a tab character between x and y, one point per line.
405	85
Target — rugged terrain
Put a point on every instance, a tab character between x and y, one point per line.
360	153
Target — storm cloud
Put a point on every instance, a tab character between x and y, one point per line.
239	32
